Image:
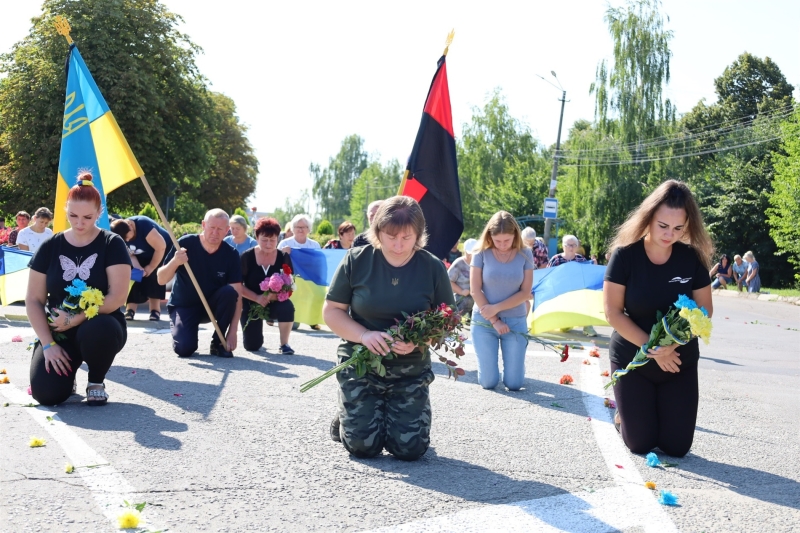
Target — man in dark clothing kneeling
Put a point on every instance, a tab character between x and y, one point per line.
218	271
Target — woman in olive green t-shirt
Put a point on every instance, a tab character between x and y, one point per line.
372	287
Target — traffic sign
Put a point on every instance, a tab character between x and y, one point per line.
550	208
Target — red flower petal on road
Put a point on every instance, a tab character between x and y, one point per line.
177	394
16	338
29	391
604	373
620	466
566	379
586	362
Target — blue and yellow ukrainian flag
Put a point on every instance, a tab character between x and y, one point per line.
90	140
567	296
13	274
313	270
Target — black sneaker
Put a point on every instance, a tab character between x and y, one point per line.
335	425
219	351
285	349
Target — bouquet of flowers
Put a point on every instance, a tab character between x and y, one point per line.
681	324
281	284
79	297
440	327
4	233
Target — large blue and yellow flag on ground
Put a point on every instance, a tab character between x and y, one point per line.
313	271
567	296
13	274
90	140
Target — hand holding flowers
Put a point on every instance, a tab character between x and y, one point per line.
683	322
277	287
80	297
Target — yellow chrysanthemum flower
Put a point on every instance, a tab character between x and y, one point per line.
91	311
650	485
684	313
91	297
69	468
700	324
4	379
129	518
36	442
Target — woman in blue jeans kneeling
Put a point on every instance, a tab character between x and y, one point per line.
501	277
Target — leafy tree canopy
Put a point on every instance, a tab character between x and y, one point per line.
333	184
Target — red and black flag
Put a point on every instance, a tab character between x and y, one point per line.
431	177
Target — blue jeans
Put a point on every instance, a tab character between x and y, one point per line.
487	341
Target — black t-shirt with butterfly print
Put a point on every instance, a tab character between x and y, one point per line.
650	288
62	262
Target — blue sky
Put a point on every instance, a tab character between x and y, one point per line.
304	75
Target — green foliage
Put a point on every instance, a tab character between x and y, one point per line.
784	212
187	209
325	228
500	165
333	185
149	211
189	228
181	134
751	85
292	207
376	182
322	238
241	212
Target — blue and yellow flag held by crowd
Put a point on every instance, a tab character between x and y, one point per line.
313	271
13	274
90	140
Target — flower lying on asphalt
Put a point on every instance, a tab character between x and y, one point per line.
594	352
609	403
4	379
128	519
586	362
36	442
69	468
3	371
566	379
665	497
652	460
16	338
604	373
650	485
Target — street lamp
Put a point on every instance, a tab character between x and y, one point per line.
548	223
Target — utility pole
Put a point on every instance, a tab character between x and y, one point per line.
548	223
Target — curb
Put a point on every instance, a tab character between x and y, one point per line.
764	297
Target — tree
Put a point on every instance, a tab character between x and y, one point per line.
145	69
500	165
333	185
750	86
292	207
376	182
234	171
784	212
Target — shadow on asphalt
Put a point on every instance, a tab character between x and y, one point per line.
148	427
478	484
749	482
720	361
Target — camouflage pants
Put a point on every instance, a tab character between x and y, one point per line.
392	412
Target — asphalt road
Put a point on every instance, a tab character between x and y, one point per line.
216	444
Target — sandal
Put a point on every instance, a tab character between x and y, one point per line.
155	316
129	314
96	396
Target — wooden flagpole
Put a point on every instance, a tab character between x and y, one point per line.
63	28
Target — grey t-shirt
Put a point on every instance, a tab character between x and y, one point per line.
501	280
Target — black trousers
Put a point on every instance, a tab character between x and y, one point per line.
657	408
253	334
184	322
96	342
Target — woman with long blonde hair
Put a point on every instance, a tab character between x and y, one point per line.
659	253
500	282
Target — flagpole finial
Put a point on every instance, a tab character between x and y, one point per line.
63	27
449	41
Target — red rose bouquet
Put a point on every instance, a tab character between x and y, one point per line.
439	327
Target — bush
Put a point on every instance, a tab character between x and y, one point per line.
149	211
320	238
325	228
241	212
185	229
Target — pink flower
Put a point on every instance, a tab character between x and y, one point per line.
16	338
287	279
283	296
264	285
275	283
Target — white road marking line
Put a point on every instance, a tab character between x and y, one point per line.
107	485
627	505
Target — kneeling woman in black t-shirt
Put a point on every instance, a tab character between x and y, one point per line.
659	253
100	259
377	283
